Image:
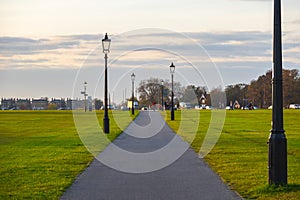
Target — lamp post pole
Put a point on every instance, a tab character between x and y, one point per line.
84	95
106	46
172	70
277	140
132	96
105	118
85	83
162	95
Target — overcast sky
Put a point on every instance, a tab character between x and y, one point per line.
49	48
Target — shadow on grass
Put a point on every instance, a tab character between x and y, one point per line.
273	189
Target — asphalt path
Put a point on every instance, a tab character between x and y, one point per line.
149	161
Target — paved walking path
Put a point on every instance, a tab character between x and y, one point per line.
151	170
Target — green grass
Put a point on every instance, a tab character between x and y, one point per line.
240	156
41	153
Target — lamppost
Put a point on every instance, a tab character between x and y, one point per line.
172	71
84	95
162	95
277	140
105	47
132	96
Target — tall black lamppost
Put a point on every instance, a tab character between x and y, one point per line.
172	70
277	139
84	95
162	95
132	96
105	46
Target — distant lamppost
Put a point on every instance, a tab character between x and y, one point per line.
162	95
105	47
132	96
172	71
84	95
277	140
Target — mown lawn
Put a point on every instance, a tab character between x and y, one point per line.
41	153
240	156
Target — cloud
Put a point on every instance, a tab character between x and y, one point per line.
83	37
146	46
254	0
54	61
14	40
220	37
24	46
296	22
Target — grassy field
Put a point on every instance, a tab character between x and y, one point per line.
240	156
41	153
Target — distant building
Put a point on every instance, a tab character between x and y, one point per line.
77	104
236	105
74	104
39	104
8	104
69	104
203	100
89	103
23	104
54	104
59	104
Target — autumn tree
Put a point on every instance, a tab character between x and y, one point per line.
237	93
260	90
291	89
150	92
217	98
193	94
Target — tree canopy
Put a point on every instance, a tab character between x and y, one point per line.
259	91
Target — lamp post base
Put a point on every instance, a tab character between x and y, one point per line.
277	158
172	115
106	125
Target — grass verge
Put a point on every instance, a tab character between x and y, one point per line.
41	153
240	156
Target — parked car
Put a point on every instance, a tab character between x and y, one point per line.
270	107
124	108
229	108
294	106
208	107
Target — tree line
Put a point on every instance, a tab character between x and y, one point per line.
154	91
258	92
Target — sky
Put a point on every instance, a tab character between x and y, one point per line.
49	48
